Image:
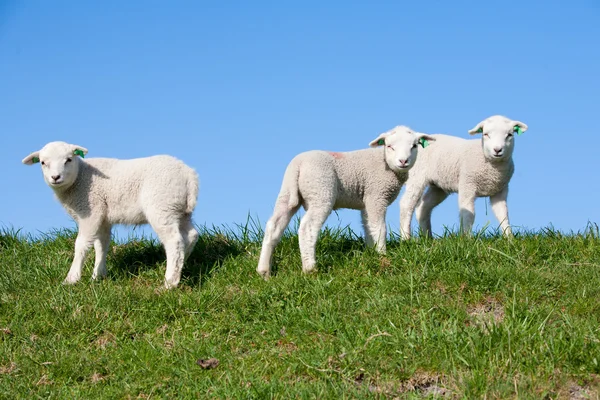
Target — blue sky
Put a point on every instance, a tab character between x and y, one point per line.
236	89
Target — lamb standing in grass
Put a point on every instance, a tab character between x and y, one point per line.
101	192
473	168
368	180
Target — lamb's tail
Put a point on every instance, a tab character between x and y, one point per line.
193	186
289	188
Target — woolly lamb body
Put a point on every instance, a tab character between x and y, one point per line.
100	192
368	180
471	168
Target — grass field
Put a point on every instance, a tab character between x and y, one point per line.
452	317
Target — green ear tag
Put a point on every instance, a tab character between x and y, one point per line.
518	130
35	160
480	130
424	143
380	142
79	153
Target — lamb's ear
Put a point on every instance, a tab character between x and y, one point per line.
79	150
519	127
424	139
478	129
32	158
380	141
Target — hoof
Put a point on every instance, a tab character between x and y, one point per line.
265	274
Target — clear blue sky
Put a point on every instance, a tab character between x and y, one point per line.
237	88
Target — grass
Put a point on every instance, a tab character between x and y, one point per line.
452	317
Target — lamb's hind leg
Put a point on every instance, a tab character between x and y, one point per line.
167	228
189	233
308	232
431	199
273	231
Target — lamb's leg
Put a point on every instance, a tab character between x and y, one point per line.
167	229
431	199
310	226
500	209
189	233
101	245
412	195
375	217
85	238
466	204
365	222
273	232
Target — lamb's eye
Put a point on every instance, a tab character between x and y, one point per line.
68	160
414	146
510	135
43	163
390	147
487	135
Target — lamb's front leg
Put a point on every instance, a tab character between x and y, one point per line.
82	245
466	203
101	245
367	229
374	223
500	209
408	203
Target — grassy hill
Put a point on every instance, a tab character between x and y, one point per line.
452	317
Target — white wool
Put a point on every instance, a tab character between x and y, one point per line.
368	180
100	192
471	168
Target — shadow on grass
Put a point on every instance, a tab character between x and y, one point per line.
141	254
333	246
209	253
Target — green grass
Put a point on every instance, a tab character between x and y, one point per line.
454	317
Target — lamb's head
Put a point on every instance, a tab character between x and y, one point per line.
498	136
60	163
401	147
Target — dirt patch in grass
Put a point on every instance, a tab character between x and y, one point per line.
44	380
588	388
422	382
104	340
7	369
490	311
97	377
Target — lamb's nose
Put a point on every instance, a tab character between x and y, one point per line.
403	162
497	150
55	177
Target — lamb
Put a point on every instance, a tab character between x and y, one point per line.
100	192
368	180
473	168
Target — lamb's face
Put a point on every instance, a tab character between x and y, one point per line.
60	163
498	136
400	147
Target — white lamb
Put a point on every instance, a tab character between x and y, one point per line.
368	180
473	168
100	192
